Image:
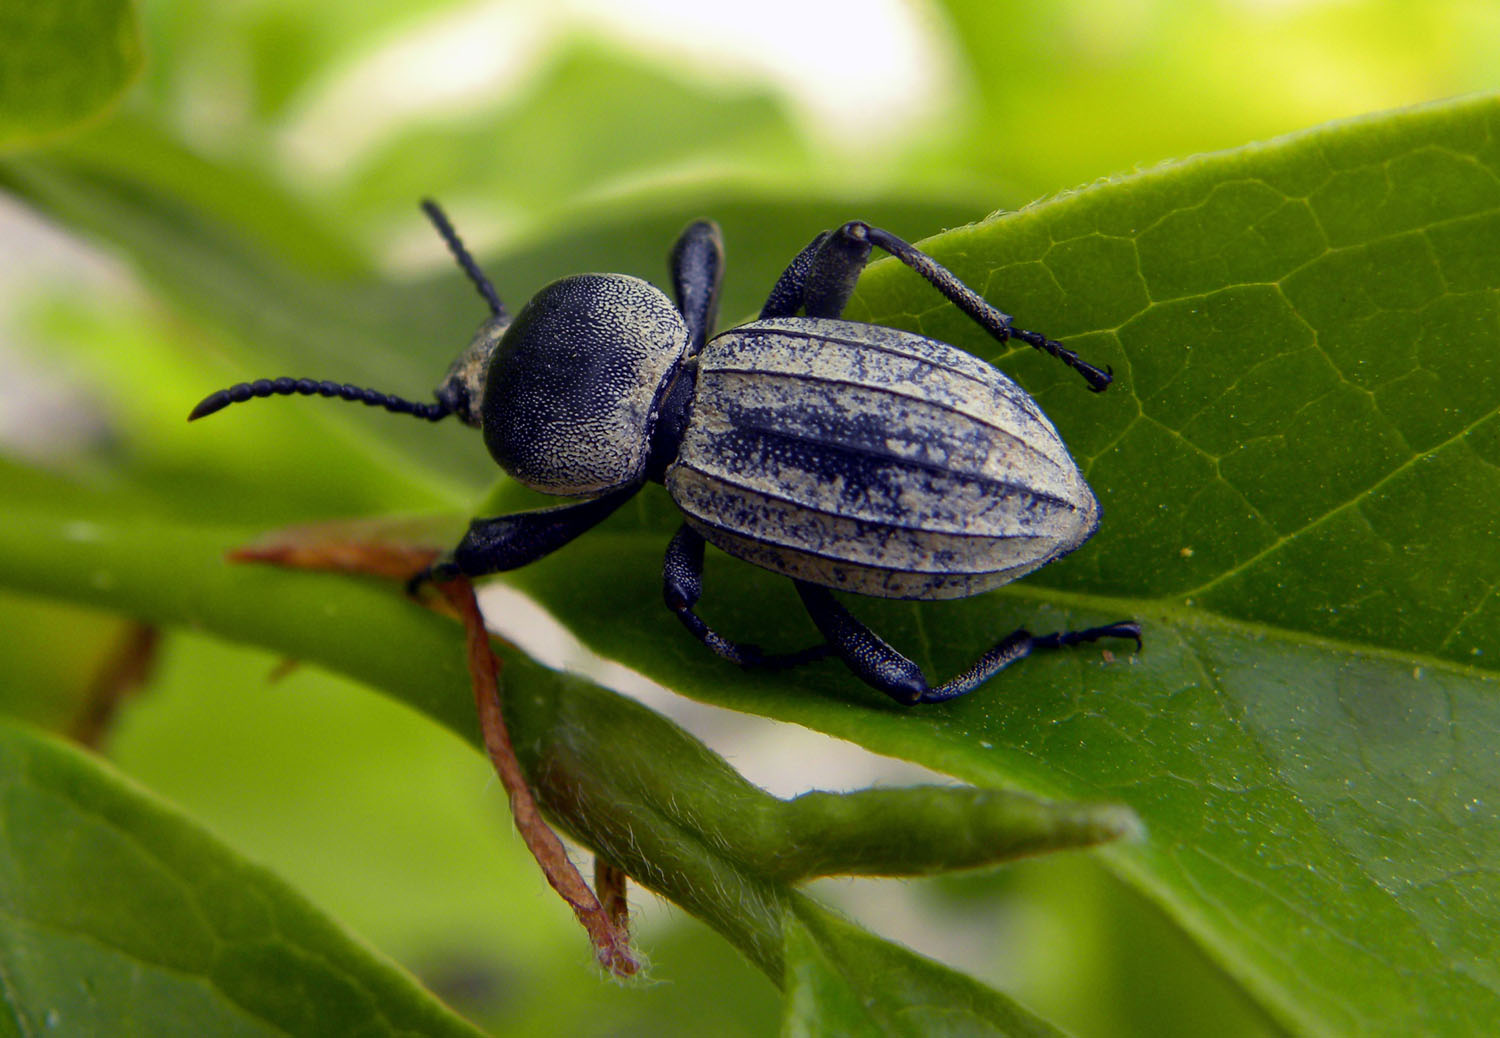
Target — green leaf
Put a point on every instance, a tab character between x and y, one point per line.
119	916
691	127
1299	507
62	64
841	981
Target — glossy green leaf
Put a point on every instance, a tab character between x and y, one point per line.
62	64
1300	508
120	916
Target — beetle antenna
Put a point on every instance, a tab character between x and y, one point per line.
456	246
238	394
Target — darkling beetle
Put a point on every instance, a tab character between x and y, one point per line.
845	456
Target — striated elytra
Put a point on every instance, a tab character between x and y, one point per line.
844	456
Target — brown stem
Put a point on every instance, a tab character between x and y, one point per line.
611	884
351	549
611	940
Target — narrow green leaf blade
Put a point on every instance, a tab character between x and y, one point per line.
121	917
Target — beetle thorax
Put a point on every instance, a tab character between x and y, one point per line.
572	390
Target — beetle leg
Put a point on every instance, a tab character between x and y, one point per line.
876	663
972	303
786	296
682	586
512	541
697	262
1019	645
821	279
863	651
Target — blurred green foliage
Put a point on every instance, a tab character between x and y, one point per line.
207	181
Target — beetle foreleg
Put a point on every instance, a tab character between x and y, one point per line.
972	303
512	541
876	663
682	586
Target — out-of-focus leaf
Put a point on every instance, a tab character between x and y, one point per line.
62	64
49	656
1063	92
120	916
591	122
239	67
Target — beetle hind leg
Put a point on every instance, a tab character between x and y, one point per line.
682	586
877	664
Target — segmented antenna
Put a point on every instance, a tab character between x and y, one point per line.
264	387
307	387
456	246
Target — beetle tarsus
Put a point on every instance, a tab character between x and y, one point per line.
883	667
1097	379
1121	629
438	573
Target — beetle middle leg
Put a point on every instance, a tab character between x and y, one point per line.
821	280
879	665
682	586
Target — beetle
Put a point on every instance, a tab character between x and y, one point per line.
845	456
